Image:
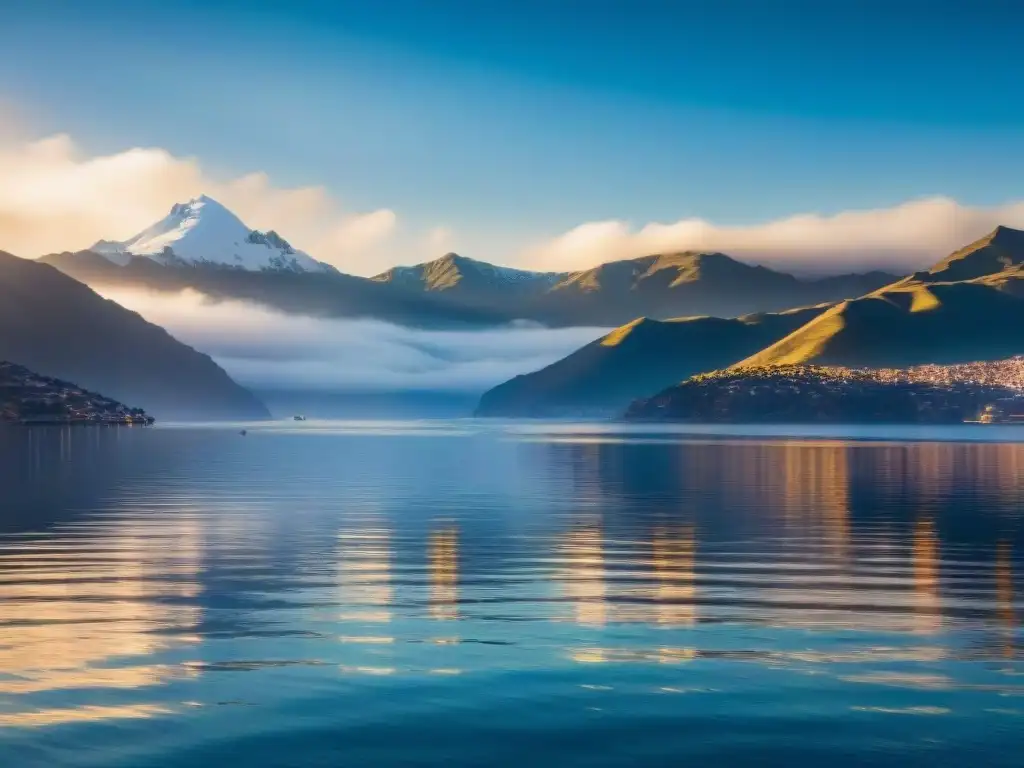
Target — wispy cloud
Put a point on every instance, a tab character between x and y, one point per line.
440	240
903	237
267	350
54	198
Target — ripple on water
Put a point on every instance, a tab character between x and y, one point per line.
423	593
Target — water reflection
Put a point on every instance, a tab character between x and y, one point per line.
582	574
928	603
812	535
98	607
364	572
147	578
444	573
674	554
610	581
1004	598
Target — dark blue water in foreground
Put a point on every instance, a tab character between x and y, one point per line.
465	595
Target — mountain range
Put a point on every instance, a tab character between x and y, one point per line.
677	314
969	306
60	328
202	245
658	287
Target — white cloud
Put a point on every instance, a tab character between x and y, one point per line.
440	240
266	350
912	235
357	235
52	198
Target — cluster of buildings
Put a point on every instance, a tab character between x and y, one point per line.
1000	373
975	392
29	398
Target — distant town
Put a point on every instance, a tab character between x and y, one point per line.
1001	373
30	398
987	393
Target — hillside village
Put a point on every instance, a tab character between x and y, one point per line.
29	398
1000	373
985	392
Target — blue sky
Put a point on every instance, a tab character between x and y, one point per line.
513	121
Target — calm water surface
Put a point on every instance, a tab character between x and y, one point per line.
464	594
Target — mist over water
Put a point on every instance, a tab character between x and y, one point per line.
462	594
266	350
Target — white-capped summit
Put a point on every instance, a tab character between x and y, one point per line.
202	231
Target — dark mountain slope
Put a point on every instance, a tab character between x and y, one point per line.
638	359
1000	249
28	398
969	306
324	294
911	324
456	291
59	327
688	284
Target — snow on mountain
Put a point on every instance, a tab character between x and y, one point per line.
202	231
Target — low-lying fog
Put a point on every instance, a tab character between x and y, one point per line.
272	352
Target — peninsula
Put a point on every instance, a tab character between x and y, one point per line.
27	397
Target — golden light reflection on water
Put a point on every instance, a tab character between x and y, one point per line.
364	577
70	606
674	555
650	585
661	655
770	538
815	477
91	677
931	472
85	713
926	562
89	608
367	670
444	573
815	576
816	494
802	488
582	575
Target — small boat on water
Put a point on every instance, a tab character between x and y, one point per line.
299	418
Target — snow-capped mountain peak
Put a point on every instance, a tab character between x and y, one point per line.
204	232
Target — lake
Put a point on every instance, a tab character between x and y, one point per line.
466	594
